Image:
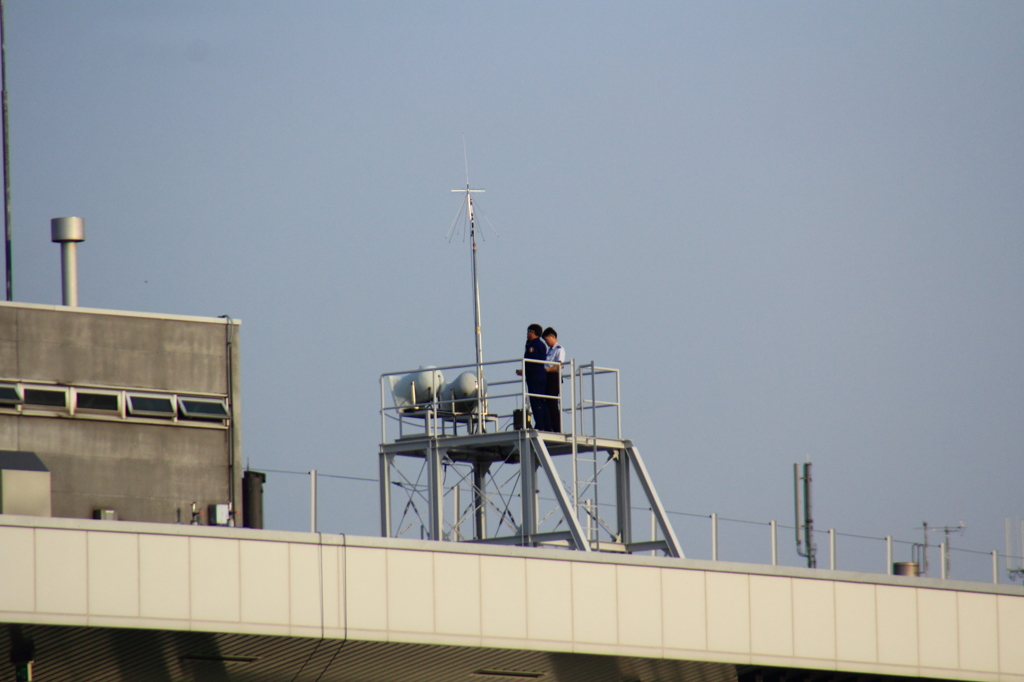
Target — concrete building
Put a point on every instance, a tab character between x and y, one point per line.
137	413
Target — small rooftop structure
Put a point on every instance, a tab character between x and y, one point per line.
464	465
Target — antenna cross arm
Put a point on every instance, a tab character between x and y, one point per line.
462	191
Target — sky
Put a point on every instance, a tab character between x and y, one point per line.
796	228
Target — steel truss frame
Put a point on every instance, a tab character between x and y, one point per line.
508	474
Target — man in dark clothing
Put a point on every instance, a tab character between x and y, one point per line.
536	376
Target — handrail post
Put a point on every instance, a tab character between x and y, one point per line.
995	567
832	549
714	537
942	557
775	543
888	555
312	501
618	407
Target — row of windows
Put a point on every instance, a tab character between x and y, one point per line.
112	403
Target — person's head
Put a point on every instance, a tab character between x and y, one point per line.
533	332
551	336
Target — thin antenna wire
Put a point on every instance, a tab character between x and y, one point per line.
7	164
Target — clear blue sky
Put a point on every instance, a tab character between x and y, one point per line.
797	228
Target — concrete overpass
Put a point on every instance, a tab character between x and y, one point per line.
101	601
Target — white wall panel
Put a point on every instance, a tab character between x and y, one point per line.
1011	635
264	582
164	584
897	624
304	584
856	634
113	574
214	576
503	597
728	599
366	588
457	594
549	600
814	619
332	580
771	615
410	591
640	601
683	611
594	612
17	569
937	629
979	631
61	570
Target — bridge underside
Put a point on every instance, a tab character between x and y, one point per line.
72	654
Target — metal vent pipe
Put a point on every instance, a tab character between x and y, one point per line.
68	232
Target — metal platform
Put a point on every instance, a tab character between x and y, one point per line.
525	487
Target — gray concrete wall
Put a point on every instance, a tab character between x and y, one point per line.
145	471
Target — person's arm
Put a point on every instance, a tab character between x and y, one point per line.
559	358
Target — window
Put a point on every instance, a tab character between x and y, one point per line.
10	395
46	397
203	408
141	405
99	401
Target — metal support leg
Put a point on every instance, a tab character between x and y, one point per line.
544	459
435	490
384	477
652	498
480	499
528	488
622	502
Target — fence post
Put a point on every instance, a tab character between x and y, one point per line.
995	567
942	558
714	537
832	549
312	501
775	544
888	555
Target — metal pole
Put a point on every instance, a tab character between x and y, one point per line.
456	512
714	537
942	555
618	407
775	543
476	310
480	499
812	559
7	163
888	555
69	270
312	501
995	567
385	495
832	549
624	513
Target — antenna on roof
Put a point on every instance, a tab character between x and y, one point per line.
476	283
7	165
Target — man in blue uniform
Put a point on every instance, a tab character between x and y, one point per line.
537	376
554	379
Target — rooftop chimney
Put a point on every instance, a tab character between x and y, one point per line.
68	231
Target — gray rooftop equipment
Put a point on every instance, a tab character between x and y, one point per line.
68	232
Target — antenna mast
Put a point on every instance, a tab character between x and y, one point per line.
476	292
6	161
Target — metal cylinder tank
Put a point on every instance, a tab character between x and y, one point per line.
906	568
